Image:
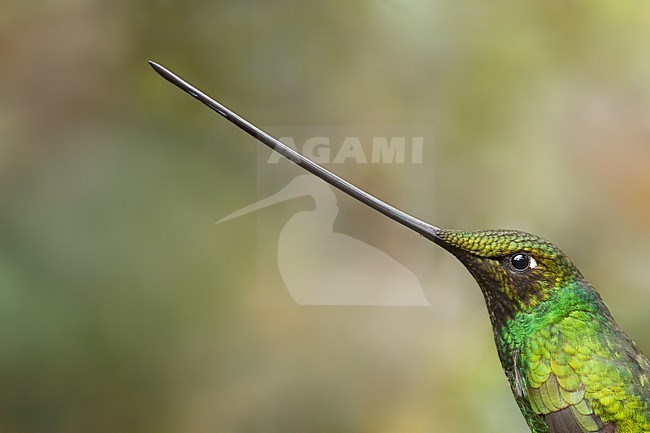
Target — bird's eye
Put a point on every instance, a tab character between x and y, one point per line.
522	262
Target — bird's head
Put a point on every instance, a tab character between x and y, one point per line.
515	270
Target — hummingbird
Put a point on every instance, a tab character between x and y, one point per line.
570	367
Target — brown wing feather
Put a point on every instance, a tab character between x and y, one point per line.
564	421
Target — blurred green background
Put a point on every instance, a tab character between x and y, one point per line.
124	308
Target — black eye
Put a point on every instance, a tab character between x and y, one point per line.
520	261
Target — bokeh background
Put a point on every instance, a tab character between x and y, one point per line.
123	308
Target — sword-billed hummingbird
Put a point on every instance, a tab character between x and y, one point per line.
570	366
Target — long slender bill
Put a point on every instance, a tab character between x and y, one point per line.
427	230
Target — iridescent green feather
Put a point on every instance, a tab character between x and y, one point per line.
562	351
573	354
